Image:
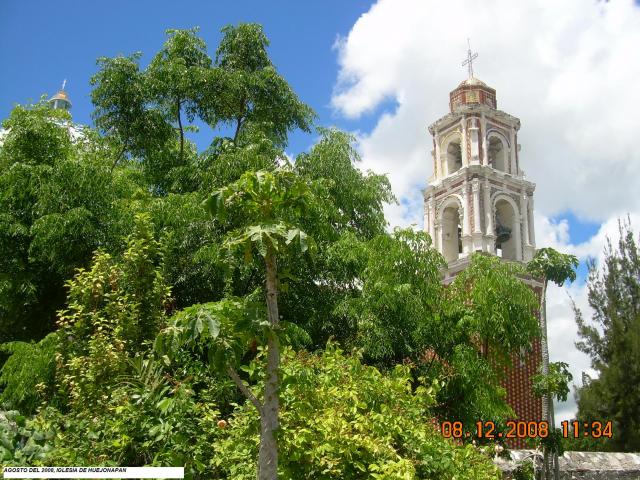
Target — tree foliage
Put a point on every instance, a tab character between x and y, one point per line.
254	94
115	309
612	340
54	193
342	419
28	374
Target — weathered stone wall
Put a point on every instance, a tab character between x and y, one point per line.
580	465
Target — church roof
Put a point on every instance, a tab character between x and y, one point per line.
61	95
473	81
472	92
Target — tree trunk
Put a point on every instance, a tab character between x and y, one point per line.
268	456
556	460
179	108
544	347
237	132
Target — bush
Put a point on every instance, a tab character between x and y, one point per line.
342	419
28	374
115	309
149	419
21	443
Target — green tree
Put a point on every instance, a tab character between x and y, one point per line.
120	98
175	78
267	201
461	333
27	377
488	308
115	309
356	199
269	205
59	202
612	340
550	265
253	94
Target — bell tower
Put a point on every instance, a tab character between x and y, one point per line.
478	198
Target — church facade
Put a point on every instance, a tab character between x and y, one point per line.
478	200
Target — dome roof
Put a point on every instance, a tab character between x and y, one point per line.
61	95
60	100
472	92
473	81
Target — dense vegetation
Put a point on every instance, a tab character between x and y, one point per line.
164	306
612	340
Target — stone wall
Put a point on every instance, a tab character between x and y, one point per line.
580	465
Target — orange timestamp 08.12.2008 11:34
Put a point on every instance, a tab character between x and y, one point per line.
521	429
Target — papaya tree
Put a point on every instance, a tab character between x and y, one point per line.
550	265
266	206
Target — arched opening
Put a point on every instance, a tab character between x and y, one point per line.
451	232
454	156
505	226
497	154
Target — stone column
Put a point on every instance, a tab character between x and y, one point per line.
516	235
463	144
532	230
432	220
483	131
465	209
524	208
438	235
475	187
475	139
438	170
513	169
488	217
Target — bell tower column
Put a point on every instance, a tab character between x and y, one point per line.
488	219
466	238
477	229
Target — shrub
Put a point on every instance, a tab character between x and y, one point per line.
342	419
28	374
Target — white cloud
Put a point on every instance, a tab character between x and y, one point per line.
566	69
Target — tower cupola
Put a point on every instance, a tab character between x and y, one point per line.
472	92
61	99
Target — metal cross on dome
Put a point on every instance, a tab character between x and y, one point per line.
64	83
470	58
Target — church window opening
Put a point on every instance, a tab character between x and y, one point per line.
451	233
454	156
504	230
497	154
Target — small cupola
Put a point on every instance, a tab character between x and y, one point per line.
61	99
472	92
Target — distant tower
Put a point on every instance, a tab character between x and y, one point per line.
61	99
478	198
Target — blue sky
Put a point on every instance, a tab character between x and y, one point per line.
42	43
566	69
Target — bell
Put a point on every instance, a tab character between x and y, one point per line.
503	233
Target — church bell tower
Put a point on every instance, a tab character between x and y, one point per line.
478	198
